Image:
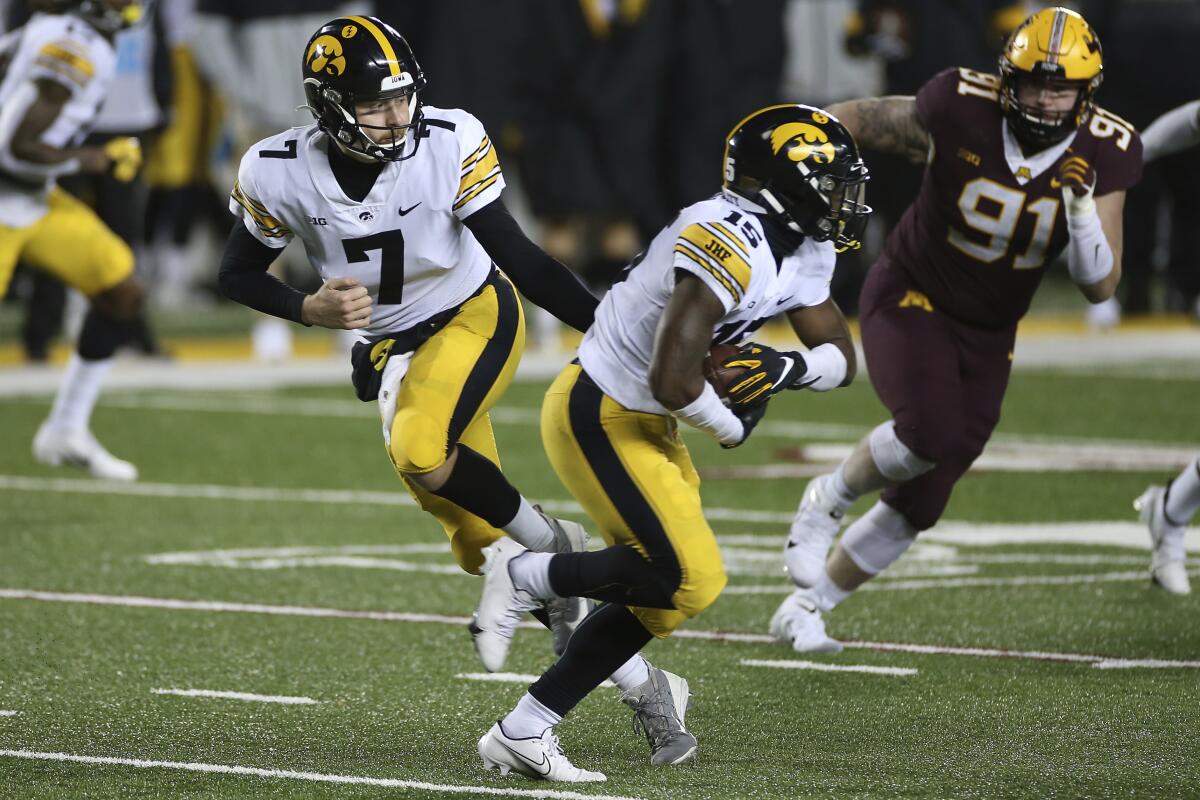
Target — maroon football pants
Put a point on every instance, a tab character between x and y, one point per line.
942	380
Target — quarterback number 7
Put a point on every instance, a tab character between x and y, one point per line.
390	245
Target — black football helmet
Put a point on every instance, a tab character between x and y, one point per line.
354	59
106	16
803	167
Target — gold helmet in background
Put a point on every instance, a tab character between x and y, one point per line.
1057	49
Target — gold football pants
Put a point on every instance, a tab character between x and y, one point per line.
451	382
69	242
634	477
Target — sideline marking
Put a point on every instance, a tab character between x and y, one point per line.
10	713
256	698
319	777
813	665
440	619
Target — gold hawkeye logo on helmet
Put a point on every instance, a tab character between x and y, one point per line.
804	141
325	55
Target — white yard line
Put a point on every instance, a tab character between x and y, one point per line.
1119	534
825	667
439	619
10	713
506	677
203	491
497	677
247	696
314	777
885	585
1009	450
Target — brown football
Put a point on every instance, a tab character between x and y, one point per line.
721	378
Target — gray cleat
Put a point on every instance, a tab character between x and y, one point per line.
659	706
565	613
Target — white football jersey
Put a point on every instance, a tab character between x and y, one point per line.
721	242
64	49
405	242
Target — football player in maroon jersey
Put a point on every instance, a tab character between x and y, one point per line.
1020	166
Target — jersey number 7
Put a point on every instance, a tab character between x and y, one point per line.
390	245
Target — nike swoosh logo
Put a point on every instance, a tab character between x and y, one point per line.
1055	183
537	765
784	300
404	211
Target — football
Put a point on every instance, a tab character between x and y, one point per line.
721	378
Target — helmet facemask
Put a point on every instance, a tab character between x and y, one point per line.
1033	125
824	206
336	116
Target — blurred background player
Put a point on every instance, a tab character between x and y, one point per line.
57	72
1021	166
135	105
1168	510
793	195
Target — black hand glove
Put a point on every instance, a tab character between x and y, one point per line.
768	371
749	415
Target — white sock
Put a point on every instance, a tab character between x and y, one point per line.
531	571
632	674
531	529
1183	496
839	491
77	393
826	595
529	719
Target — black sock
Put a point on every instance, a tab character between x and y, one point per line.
478	485
101	335
617	574
609	637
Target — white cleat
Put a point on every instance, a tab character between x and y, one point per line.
57	447
798	622
501	606
565	613
540	758
816	523
1167	568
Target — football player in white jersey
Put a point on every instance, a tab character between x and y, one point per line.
398	206
764	246
54	75
1168	510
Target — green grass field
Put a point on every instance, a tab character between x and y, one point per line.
1072	689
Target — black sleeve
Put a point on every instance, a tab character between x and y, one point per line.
244	277
538	276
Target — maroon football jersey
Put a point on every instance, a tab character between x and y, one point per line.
978	237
